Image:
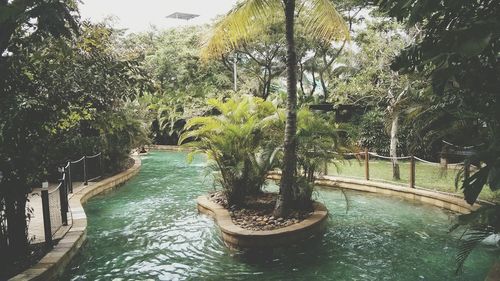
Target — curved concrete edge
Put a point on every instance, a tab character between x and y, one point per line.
236	237
439	199
54	263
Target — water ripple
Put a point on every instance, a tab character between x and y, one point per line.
149	229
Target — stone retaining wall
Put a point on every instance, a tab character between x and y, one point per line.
54	263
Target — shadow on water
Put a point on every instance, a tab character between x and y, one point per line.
269	257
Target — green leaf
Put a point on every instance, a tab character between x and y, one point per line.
473	185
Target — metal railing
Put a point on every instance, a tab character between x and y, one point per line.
55	202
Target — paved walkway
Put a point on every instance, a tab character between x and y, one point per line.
35	225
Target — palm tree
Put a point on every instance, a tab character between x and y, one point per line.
251	17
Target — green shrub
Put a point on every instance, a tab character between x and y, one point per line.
318	142
237	143
244	142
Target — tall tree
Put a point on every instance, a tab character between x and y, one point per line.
23	23
262	59
460	44
247	20
52	95
372	83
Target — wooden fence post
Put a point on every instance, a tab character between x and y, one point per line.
100	166
70	182
412	172
63	199
46	215
85	181
367	165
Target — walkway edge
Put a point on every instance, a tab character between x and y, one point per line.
54	263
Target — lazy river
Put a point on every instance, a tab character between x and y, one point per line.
149	229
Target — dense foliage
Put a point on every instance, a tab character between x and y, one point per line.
237	141
459	46
62	97
182	84
243	143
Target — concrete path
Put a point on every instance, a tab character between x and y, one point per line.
35	224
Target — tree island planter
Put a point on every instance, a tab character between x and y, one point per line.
236	237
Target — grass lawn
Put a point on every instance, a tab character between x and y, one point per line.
426	176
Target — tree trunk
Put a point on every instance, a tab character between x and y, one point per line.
285	198
15	213
394	147
267	86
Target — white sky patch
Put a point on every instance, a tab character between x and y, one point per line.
137	16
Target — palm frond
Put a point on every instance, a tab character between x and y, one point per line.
470	241
324	22
252	17
240	24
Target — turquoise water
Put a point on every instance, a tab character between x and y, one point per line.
149	229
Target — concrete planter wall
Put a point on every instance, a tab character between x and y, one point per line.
236	237
54	263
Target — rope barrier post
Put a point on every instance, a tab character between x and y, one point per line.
367	167
100	165
85	182
70	181
444	157
46	215
64	199
412	171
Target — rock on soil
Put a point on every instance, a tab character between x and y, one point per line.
256	212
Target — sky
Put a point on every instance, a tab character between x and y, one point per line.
137	16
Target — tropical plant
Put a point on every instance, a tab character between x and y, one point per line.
181	83
318	145
235	142
459	46
247	20
479	225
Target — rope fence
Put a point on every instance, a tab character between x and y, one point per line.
412	170
94	167
55	201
